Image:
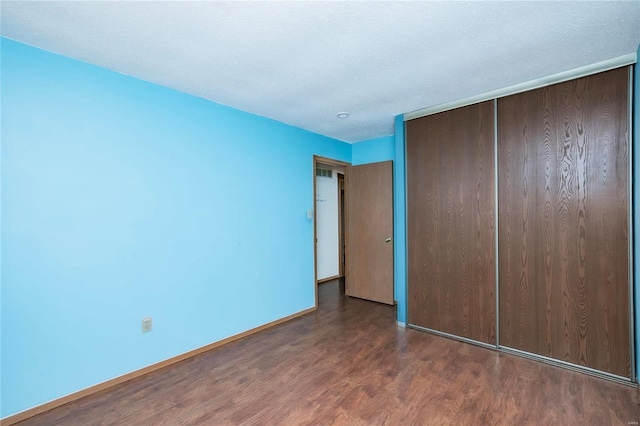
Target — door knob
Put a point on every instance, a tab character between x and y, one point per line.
387	240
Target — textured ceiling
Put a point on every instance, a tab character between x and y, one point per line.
303	62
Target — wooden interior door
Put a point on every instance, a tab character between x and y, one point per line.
369	232
563	221
451	222
341	227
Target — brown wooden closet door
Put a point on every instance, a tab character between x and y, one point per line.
563	221
451	223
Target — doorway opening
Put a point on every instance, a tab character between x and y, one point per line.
341	232
329	222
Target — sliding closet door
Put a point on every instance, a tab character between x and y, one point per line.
563	221
451	224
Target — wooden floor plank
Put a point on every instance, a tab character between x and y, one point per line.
349	364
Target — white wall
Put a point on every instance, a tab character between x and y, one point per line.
327	225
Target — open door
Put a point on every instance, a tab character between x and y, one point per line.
369	242
341	226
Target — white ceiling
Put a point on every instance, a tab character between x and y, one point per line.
303	62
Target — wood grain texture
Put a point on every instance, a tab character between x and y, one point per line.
451	222
349	364
563	221
369	210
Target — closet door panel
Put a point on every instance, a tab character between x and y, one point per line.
451	223
563	221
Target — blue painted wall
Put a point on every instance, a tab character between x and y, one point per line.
122	199
400	215
373	150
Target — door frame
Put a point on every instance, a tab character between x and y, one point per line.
330	162
342	221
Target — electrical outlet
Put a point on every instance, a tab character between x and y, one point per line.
146	324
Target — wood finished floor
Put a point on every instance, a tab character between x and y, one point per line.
349	364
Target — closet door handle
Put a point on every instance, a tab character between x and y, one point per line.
387	240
